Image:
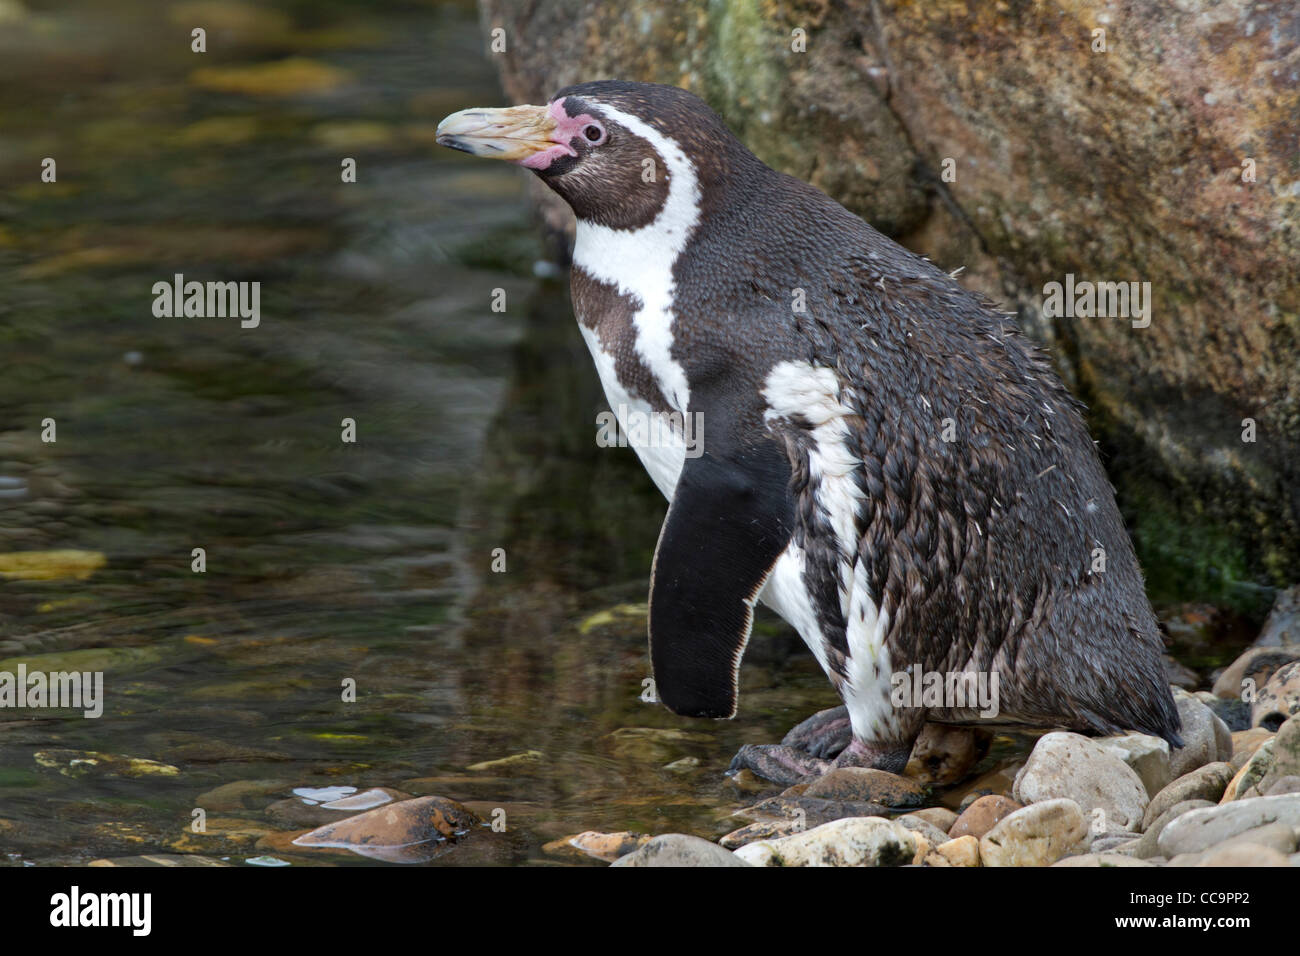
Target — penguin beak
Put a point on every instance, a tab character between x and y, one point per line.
516	133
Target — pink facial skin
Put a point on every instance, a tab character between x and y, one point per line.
566	127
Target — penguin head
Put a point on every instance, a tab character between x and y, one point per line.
610	148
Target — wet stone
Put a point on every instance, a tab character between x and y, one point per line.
941	817
809	811
983	815
761	830
1148	845
1204	783
680	849
1278	699
1205	736
865	785
856	841
1038	835
515	763
1201	829
945	755
1245	743
1071	766
408	831
240	795
160	859
594	845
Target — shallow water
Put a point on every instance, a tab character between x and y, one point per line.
326	561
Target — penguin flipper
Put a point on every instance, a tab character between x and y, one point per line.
731	517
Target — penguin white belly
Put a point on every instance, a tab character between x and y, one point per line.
662	459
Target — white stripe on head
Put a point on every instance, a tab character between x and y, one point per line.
639	262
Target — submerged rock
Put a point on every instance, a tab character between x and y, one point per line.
410	831
240	795
529	759
77	763
592	844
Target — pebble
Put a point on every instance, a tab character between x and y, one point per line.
598	846
808	811
1247	779
982	815
1070	766
944	755
865	785
1283	785
1115	841
240	795
962	851
762	830
1205	737
1147	755
651	744
1257	664
941	817
516	763
855	841
923	827
1245	743
1286	755
1149	846
1233	856
680	849
1204	783
1278	699
1038	835
1201	829
1102	860
993	782
394	831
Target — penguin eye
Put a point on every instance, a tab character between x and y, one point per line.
594	133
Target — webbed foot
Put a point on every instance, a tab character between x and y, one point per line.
823	735
779	763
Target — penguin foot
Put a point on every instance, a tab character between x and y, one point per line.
824	734
779	763
858	754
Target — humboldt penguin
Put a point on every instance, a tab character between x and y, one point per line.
886	461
